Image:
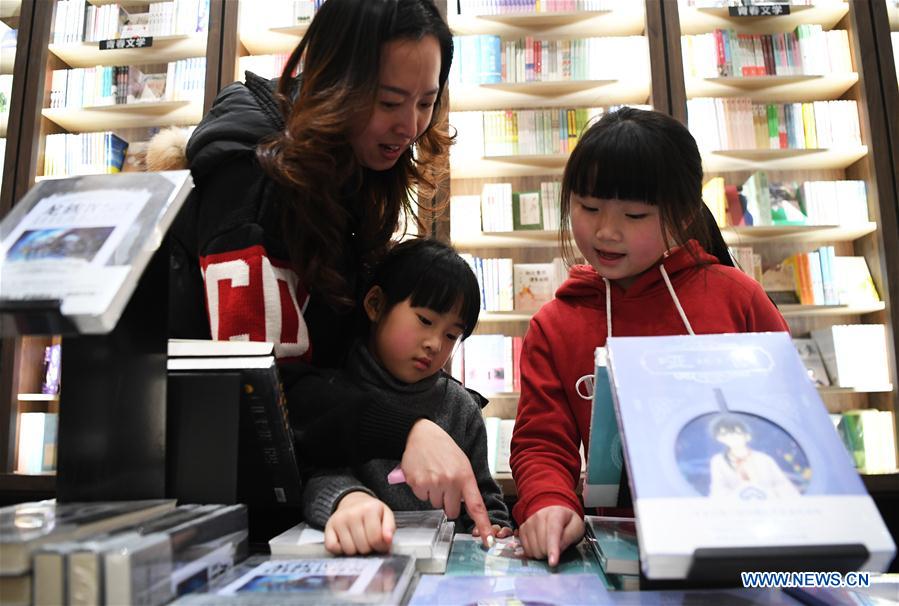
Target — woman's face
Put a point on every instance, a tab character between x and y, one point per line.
409	82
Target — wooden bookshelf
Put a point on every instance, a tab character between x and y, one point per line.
741	235
582	24
272	41
126	115
774	89
563	93
507	166
165	49
704	20
722	161
7	61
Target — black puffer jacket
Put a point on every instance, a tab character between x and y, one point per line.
233	217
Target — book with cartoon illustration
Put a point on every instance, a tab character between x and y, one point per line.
731	453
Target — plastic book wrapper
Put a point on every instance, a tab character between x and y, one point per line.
359	580
557	589
615	541
729	447
506	557
85	241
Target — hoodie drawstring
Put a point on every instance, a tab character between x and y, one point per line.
674	298
677	304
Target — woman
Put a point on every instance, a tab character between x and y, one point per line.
299	187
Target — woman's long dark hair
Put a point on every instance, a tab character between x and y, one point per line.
313	159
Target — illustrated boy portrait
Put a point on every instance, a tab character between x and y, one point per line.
736	455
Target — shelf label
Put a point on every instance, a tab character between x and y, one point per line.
120	43
759	10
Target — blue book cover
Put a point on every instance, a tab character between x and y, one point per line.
604	458
728	445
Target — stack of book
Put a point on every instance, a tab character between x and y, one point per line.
425	536
125	552
617	549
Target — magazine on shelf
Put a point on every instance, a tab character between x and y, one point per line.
85	241
351	580
757	467
426	535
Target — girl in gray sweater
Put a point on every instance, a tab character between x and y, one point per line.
423	300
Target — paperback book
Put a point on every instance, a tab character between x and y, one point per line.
361	580
604	458
615	541
425	535
85	241
729	448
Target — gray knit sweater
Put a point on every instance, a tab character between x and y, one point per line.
448	405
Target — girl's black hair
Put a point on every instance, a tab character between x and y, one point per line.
640	155
431	275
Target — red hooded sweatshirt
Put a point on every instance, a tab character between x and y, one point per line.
557	356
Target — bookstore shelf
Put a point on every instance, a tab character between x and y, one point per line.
562	24
795	310
738	235
704	20
788	310
532	95
7	61
45	406
38	397
10	11
781	159
165	49
126	115
774	89
272	41
507	166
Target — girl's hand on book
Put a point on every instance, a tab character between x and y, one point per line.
360	524
550	531
437	470
500	532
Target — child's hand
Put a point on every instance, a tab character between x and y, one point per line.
360	524
499	532
550	531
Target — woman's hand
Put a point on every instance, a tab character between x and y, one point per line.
361	524
550	531
438	471
500	532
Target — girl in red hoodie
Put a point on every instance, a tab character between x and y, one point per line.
632	191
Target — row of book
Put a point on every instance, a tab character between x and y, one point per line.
499	209
819	277
182	80
504	7
508	286
79	21
805	51
488	59
279	13
266	66
760	201
489	364
83	154
125	552
737	123
36	448
534	131
870	437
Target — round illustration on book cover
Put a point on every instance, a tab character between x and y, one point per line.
743	456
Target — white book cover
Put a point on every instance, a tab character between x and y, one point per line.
729	447
86	240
